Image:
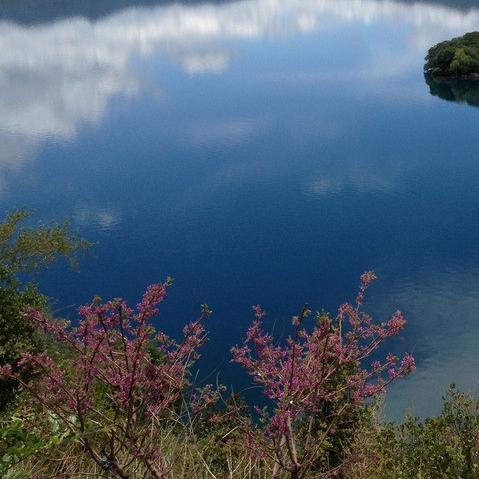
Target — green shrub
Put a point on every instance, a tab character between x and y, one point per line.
22	251
442	447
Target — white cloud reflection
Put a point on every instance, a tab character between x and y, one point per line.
56	77
441	304
101	218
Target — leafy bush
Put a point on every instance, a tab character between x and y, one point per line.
22	251
23	435
442	447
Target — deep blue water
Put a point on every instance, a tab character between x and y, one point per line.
258	151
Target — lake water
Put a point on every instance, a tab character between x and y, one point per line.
258	151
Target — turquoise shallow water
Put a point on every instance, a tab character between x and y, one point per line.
258	151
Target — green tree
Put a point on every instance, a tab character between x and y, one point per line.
23	251
458	57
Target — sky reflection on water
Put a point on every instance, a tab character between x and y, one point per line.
257	151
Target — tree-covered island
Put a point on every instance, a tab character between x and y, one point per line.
457	58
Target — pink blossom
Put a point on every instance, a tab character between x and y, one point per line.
113	361
328	365
6	371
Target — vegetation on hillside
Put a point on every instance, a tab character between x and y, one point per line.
24	251
458	57
111	396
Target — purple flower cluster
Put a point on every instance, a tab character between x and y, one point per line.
118	380
324	366
114	357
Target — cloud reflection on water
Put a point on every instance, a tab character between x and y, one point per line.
56	77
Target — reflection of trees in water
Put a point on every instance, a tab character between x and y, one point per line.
460	4
43	11
454	89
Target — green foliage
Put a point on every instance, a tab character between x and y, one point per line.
17	443
30	436
26	250
442	447
458	57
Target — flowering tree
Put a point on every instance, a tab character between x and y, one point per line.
118	381
316	381
117	384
